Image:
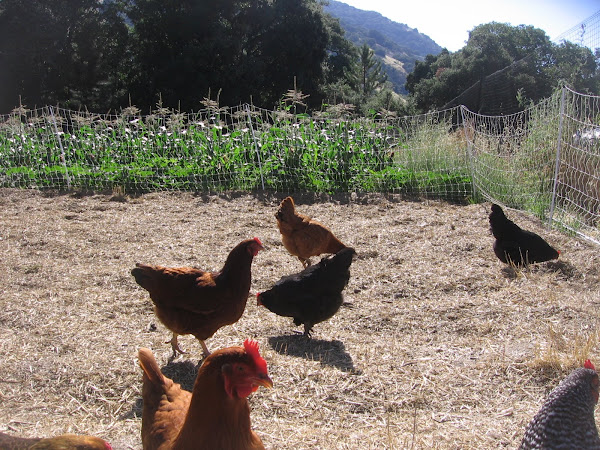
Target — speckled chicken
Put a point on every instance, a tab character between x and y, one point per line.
515	245
566	419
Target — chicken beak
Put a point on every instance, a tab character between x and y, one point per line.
263	380
258	246
258	302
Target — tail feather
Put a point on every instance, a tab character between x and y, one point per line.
150	367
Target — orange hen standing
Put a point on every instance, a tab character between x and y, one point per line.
216	415
302	236
192	301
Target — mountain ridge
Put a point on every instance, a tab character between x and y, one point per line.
397	45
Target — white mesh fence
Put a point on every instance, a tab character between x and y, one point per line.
545	160
586	33
513	157
576	200
242	148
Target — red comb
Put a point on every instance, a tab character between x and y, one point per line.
251	348
588	365
258	240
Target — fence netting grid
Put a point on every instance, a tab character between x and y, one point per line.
242	148
545	159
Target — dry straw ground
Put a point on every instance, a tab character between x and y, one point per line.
441	345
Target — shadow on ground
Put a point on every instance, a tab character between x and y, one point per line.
329	353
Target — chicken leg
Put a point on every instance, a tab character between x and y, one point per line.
204	348
178	351
175	346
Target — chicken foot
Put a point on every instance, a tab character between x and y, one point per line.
204	348
175	346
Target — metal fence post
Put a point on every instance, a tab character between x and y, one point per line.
557	162
262	181
62	150
469	149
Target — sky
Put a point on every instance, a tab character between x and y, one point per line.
448	22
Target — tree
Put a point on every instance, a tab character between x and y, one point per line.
369	75
576	67
341	53
71	53
503	58
246	50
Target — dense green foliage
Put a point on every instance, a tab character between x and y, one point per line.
105	55
245	50
220	150
492	49
62	51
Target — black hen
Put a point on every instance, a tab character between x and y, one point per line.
313	295
566	419
515	245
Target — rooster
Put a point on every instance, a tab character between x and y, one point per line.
515	245
313	295
63	442
302	236
566	419
216	414
191	301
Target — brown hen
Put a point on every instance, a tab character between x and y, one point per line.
63	442
192	301
302	236
216	415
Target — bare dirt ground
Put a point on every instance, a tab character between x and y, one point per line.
442	346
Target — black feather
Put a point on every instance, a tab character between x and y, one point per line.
566	419
313	295
516	245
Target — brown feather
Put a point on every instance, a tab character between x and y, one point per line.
207	418
302	236
191	301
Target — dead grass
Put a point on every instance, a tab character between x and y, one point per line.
441	346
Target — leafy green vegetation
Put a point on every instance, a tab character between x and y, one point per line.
223	150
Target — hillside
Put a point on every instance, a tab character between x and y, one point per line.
396	44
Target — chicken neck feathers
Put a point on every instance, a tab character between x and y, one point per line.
207	418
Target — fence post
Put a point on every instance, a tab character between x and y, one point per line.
557	162
262	181
62	150
469	149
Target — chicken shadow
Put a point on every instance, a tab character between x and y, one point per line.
329	353
562	268
182	372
